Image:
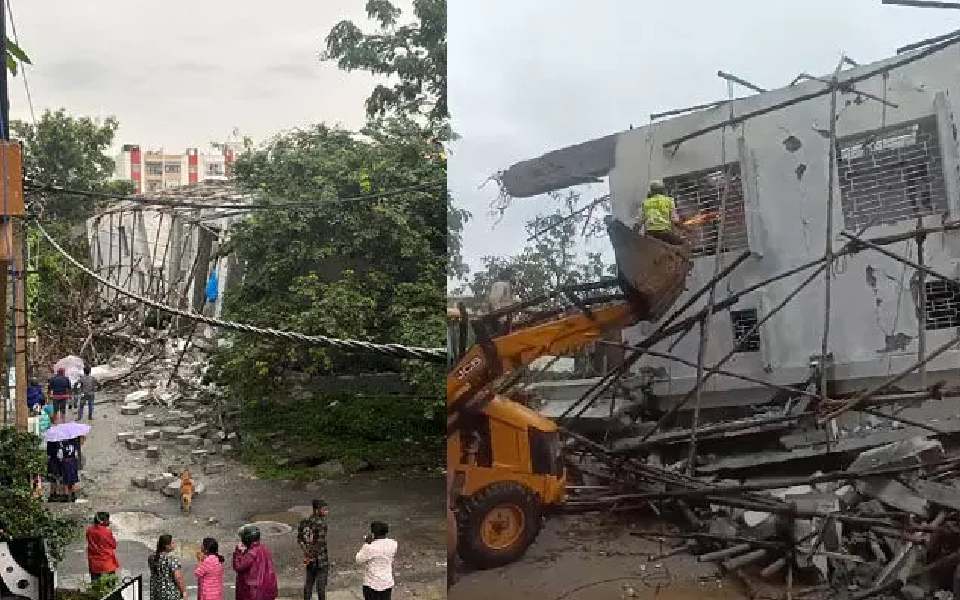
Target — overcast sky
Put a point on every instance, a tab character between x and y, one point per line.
186	72
528	77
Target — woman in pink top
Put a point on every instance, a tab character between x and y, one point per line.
209	571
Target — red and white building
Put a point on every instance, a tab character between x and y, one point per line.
156	170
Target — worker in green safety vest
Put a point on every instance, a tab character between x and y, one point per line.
658	215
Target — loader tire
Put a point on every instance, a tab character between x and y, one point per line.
497	524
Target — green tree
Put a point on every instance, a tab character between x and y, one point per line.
21	512
371	269
414	54
70	152
551	258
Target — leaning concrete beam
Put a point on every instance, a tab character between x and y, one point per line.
573	165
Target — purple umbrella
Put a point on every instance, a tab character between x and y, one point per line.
66	431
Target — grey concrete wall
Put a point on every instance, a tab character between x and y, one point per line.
786	221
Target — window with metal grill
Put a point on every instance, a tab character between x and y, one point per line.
943	305
699	195
743	321
891	175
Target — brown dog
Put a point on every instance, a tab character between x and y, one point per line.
186	491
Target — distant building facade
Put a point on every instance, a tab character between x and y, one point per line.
156	170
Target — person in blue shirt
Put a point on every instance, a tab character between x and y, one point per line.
34	395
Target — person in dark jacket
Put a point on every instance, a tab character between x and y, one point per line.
34	395
101	548
61	391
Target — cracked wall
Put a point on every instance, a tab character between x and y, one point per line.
783	157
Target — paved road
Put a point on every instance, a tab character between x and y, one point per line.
414	507
594	557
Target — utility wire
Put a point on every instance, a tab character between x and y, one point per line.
141	199
436	355
23	67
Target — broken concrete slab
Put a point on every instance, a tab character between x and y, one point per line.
198	456
938	493
154	421
188	440
139	481
131	409
151	434
916	450
199	429
895	494
157	482
136	397
170	432
214	467
135	444
153	452
126	435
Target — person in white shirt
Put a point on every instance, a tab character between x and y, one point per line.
376	556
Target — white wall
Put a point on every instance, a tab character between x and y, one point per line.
786	220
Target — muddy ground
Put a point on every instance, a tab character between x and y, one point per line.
594	557
414	508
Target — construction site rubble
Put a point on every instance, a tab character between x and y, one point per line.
870	511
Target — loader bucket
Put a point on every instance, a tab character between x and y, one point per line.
652	273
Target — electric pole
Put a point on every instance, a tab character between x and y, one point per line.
11	234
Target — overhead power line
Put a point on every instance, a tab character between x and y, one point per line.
192	202
436	355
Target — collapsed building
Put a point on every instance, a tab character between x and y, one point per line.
820	385
168	250
897	168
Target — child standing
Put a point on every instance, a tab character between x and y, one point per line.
209	571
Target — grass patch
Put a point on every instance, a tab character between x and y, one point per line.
287	440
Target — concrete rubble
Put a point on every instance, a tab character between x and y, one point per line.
172	415
869	511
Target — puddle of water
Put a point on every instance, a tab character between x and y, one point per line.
269	528
289	517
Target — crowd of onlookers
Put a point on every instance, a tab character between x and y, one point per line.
252	562
64	452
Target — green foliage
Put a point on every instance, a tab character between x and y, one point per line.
71	152
67	151
387	432
413	55
15	57
551	259
371	269
103	586
24	515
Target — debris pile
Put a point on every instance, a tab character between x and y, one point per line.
861	507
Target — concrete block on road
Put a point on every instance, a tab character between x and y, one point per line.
214	467
151	434
154	421
131	409
139	481
198	456
135	444
199	429
170	432
153	452
126	435
189	440
157	482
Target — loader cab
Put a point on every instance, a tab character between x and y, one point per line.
508	470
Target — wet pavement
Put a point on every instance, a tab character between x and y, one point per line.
594	557
413	506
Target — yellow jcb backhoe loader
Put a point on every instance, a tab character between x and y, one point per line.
505	464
